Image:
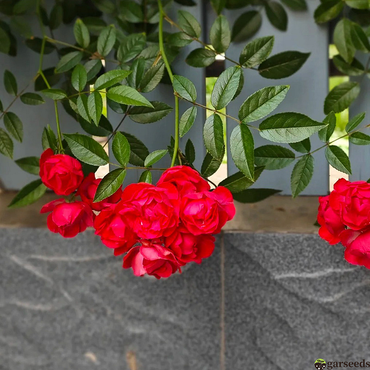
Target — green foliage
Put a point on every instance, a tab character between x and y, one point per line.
302	174
110	184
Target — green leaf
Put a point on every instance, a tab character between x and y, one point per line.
303	146
213	135
359	39
14	126
277	15
289	127
256	51
225	87
23	6
341	97
179	39
343	40
106	40
218	5
187	120
359	138
29	164
295	4
301	174
93	67
147	177
152	77
110	184
201	57
28	194
220	34
127	95
55	94
95	106
131	46
10	83
328	10
338	159
6	144
138	150
355	121
283	64
242	150
82	107
273	157
236	182
56	17
21	26
121	149
110	78
49	139
104	128
81	33
5	42
68	61
210	165
87	149
105	6
188	23
149	115
254	195
358	4
137	73
32	99
262	103
185	88
325	133
190	151
79	77
246	26
154	157
353	69
131	12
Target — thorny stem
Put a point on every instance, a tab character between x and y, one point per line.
168	67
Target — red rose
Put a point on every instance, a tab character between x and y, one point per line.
185	179
150	211
114	233
151	259
351	200
357	247
207	212
188	247
331	224
60	172
68	219
87	191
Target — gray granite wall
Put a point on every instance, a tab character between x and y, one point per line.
262	301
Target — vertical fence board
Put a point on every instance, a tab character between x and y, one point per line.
308	88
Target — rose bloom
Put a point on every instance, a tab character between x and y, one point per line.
330	222
87	191
68	219
150	211
114	233
357	247
60	172
207	212
151	259
188	247
351	200
185	179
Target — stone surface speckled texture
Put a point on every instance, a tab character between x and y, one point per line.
289	299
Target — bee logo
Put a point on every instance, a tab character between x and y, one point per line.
320	364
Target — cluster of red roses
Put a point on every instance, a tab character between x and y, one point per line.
344	216
160	228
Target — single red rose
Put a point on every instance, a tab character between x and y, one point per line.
357	247
188	247
330	222
351	200
185	179
87	191
150	211
151	259
207	212
68	219
114	233
60	172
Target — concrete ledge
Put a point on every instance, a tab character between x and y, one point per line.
280	214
